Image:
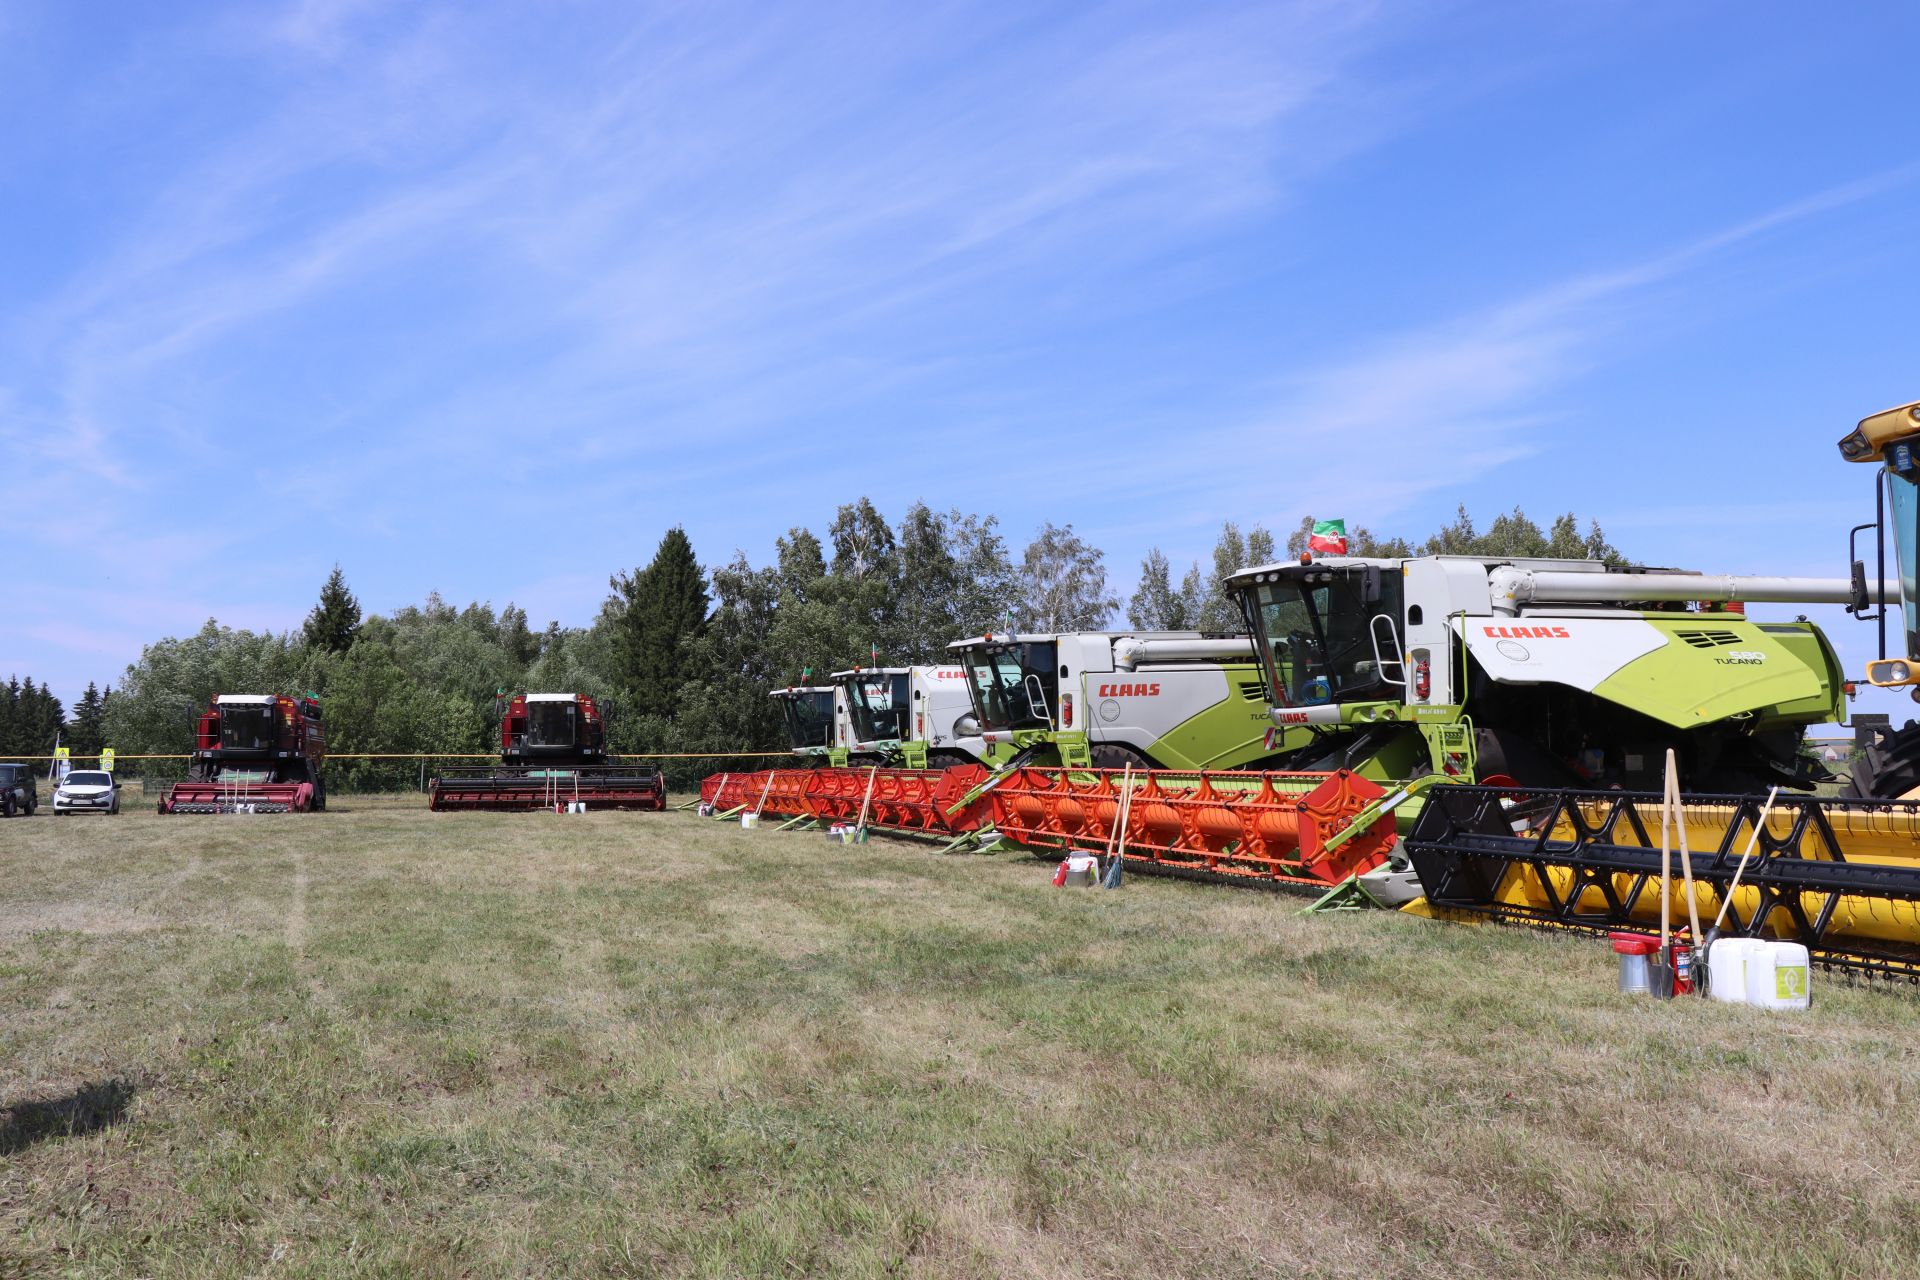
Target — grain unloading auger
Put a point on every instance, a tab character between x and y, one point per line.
253	753
552	755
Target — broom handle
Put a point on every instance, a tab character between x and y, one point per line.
867	799
1686	860
1126	813
1119	808
1666	858
1752	840
759	808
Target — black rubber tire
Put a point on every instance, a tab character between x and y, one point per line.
1116	755
6	805
319	792
1888	769
947	759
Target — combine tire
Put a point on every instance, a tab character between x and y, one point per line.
946	759
1113	755
1890	768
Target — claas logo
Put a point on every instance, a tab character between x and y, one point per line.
1527	633
1129	691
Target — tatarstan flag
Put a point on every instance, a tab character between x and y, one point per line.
1329	537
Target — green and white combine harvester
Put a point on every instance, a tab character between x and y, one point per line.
817	723
1539	672
1176	700
917	717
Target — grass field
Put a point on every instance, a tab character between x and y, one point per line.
380	1042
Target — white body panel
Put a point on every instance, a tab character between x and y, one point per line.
1579	652
1134	688
938	696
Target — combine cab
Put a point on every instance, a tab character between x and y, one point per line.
915	717
552	755
816	720
254	753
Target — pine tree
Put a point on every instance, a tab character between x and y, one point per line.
10	717
661	611
87	733
336	619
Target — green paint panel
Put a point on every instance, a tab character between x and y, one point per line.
1778	674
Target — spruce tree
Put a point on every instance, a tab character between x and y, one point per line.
9	715
87	734
336	619
661	610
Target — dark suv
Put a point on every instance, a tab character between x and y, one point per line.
18	794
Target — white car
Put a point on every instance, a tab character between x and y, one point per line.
87	791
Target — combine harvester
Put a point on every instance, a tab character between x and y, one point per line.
1841	876
553	755
254	753
816	720
909	717
1106	700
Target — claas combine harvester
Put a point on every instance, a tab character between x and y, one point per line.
1103	699
254	753
916	717
553	755
816	721
1840	874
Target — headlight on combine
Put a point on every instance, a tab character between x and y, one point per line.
1893	673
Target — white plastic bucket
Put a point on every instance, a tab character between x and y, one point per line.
749	820
1779	976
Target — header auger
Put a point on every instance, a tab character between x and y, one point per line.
254	753
552	754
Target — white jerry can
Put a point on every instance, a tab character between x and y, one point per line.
1779	976
1727	968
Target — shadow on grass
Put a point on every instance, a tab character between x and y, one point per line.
98	1105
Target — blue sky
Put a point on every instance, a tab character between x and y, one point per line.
481	298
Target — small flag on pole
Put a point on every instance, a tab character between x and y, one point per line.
1329	537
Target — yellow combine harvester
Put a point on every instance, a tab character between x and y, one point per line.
1841	875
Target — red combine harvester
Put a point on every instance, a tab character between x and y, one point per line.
254	753
553	754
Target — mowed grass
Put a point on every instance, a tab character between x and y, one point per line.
382	1042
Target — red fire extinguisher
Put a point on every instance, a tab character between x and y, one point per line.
1682	966
1060	875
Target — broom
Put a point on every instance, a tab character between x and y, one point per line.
1117	839
1660	969
1686	867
